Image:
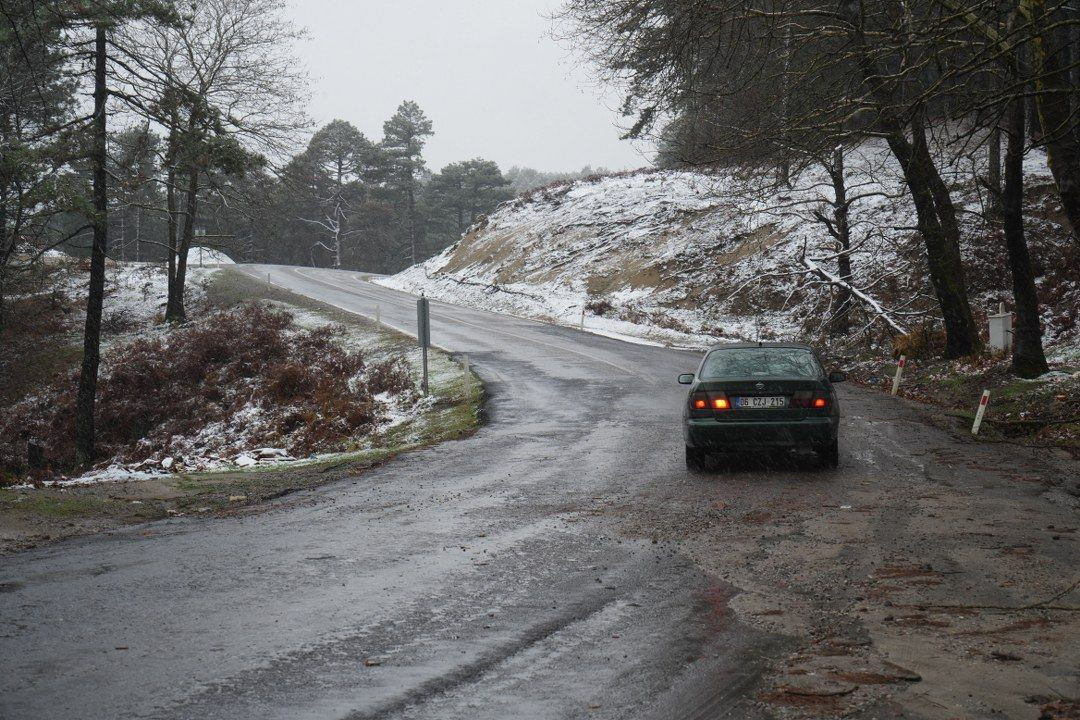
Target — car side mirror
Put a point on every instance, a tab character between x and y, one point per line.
837	376
686	379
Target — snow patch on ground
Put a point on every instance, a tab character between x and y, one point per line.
135	296
199	256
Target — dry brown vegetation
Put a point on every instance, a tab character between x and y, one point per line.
313	394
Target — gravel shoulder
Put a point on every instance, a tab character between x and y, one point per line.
937	580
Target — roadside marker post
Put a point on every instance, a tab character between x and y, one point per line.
899	373
423	334
267	281
468	375
378	319
980	412
582	317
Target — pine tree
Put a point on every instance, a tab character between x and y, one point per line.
36	97
404	136
458	194
338	159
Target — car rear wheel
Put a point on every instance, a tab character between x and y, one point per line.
695	459
829	455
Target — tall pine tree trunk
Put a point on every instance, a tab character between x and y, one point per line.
411	199
171	156
339	218
993	173
339	213
1028	359
121	242
138	234
4	253
84	403
174	309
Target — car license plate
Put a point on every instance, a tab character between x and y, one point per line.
779	401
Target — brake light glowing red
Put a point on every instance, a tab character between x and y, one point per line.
700	404
819	402
721	403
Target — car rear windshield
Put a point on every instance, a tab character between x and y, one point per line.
760	362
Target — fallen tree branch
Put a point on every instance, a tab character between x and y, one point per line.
838	281
486	286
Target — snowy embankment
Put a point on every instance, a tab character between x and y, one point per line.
690	258
231	389
199	256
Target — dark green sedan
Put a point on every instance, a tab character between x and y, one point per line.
761	397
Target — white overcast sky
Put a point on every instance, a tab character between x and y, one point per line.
487	74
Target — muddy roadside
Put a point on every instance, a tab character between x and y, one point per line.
1042	412
928	577
31	516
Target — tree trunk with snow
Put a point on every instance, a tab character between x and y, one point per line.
935	214
841	310
941	235
171	156
1028	359
174	310
339	217
138	234
88	376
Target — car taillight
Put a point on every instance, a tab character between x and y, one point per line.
702	404
807	399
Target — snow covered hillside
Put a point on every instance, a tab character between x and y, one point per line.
687	258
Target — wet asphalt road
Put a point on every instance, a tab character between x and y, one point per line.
473	579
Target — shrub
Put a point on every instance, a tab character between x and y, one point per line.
599	306
155	394
923	342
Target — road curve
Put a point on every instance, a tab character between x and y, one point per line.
477	579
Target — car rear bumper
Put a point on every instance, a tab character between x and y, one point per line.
710	434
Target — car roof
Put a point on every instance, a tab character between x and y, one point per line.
740	345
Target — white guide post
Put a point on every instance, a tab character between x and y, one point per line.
899	373
468	374
980	412
582	317
423	334
378	319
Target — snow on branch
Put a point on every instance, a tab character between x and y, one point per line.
834	279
